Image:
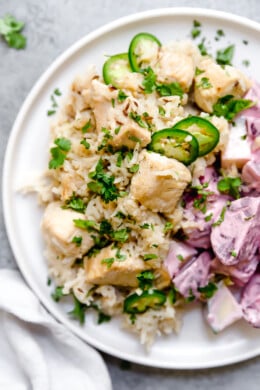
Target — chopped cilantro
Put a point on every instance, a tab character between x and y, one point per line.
204	83
180	257
246	62
149	81
75	203
150	256
167	227
57	294
113	102
85	224
225	56
117	130
57	92
77	240
161	111
134	168
196	23
10	29
86	127
198	71
78	312
202	48
145	279
120	235
221	217
108	261
102	317
138	119
121	96
208	291
106	138
233	253
48	281
196	31
134	139
120	256
51	112
172	89
145	226
59	152
230	185
85	143
208	217
228	107
103	183
120	215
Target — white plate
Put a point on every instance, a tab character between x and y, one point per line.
196	346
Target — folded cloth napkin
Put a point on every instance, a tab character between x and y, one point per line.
36	352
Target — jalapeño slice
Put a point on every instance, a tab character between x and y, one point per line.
203	130
142	49
115	69
136	304
175	143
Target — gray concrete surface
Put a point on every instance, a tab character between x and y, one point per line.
51	27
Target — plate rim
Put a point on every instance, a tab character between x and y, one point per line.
6	190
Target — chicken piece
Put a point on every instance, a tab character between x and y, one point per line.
124	131
108	268
216	81
159	182
59	230
177	62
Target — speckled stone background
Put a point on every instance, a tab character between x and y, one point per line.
51	27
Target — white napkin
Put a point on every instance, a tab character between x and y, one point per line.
36	352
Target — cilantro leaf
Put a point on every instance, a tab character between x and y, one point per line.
75	203
149	81
167	227
10	29
228	107
57	294
63	143
86	127
172	89
145	279
85	224
108	261
58	158
138	119
121	96
230	185
102	317
202	48
208	291
85	143
150	256
77	240
204	83
225	56
78	311
134	168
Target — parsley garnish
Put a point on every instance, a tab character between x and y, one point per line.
225	56
138	119
134	168
167	227
228	107
145	279
108	261
180	257
86	127
202	48
198	71
196	31
103	183
208	291
204	83
77	240
106	138
230	185
85	143
78	311
10	29
85	224
221	217
121	96
59	152
134	139
172	89
149	81
102	317
161	111
57	294
208	217
233	253
75	203
219	34
120	235
150	256
54	103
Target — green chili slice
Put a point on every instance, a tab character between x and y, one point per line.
175	143
136	304
115	69
142	48
203	130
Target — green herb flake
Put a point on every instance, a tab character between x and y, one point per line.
86	127
75	203
225	56
221	217
228	107
198	71
233	253
102	317
195	32
57	294
134	139
145	279
120	235
180	257
78	312
120	256
10	30
85	143
85	224
150	256
208	291
204	83
59	152
145	226
246	62
108	261
149	81
134	168
167	227
161	111
113	102
51	112
138	119
208	217
121	96
77	240
117	130
196	23
230	185
202	48
172	89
